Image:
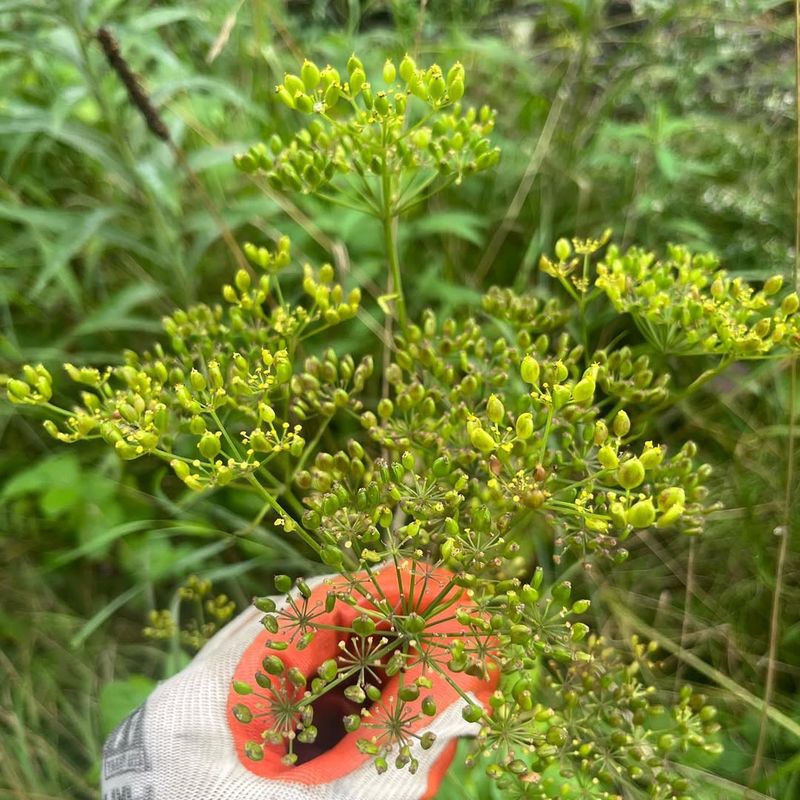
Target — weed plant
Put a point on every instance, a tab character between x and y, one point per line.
107	232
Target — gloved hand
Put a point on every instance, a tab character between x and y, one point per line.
184	743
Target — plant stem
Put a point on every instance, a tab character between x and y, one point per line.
784	531
278	509
390	242
582	303
546	434
690	573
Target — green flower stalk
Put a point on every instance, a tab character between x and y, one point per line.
381	151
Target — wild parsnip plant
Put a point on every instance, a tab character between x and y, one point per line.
481	436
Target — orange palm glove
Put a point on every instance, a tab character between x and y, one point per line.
201	734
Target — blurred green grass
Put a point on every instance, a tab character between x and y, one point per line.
666	122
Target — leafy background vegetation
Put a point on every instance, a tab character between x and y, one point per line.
666	122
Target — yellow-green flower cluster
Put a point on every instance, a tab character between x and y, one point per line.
34	387
203	613
523	419
604	689
227	398
686	304
363	135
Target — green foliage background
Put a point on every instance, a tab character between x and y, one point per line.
664	121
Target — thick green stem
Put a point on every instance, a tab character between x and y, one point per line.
390	242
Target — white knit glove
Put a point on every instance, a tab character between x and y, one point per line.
184	743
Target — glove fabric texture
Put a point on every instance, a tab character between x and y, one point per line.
185	744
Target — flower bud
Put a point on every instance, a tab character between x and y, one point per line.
670	497
310	75
18	391
455	91
530	370
583	391
389	71
561	395
332	94
790	304
197	381
630	473
607	457
495	409
293	83
407	68
651	456
641	514
357	79
773	285
472	713
671	515
563	249
622	424
600	432
481	440
524	426
285	96
209	445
